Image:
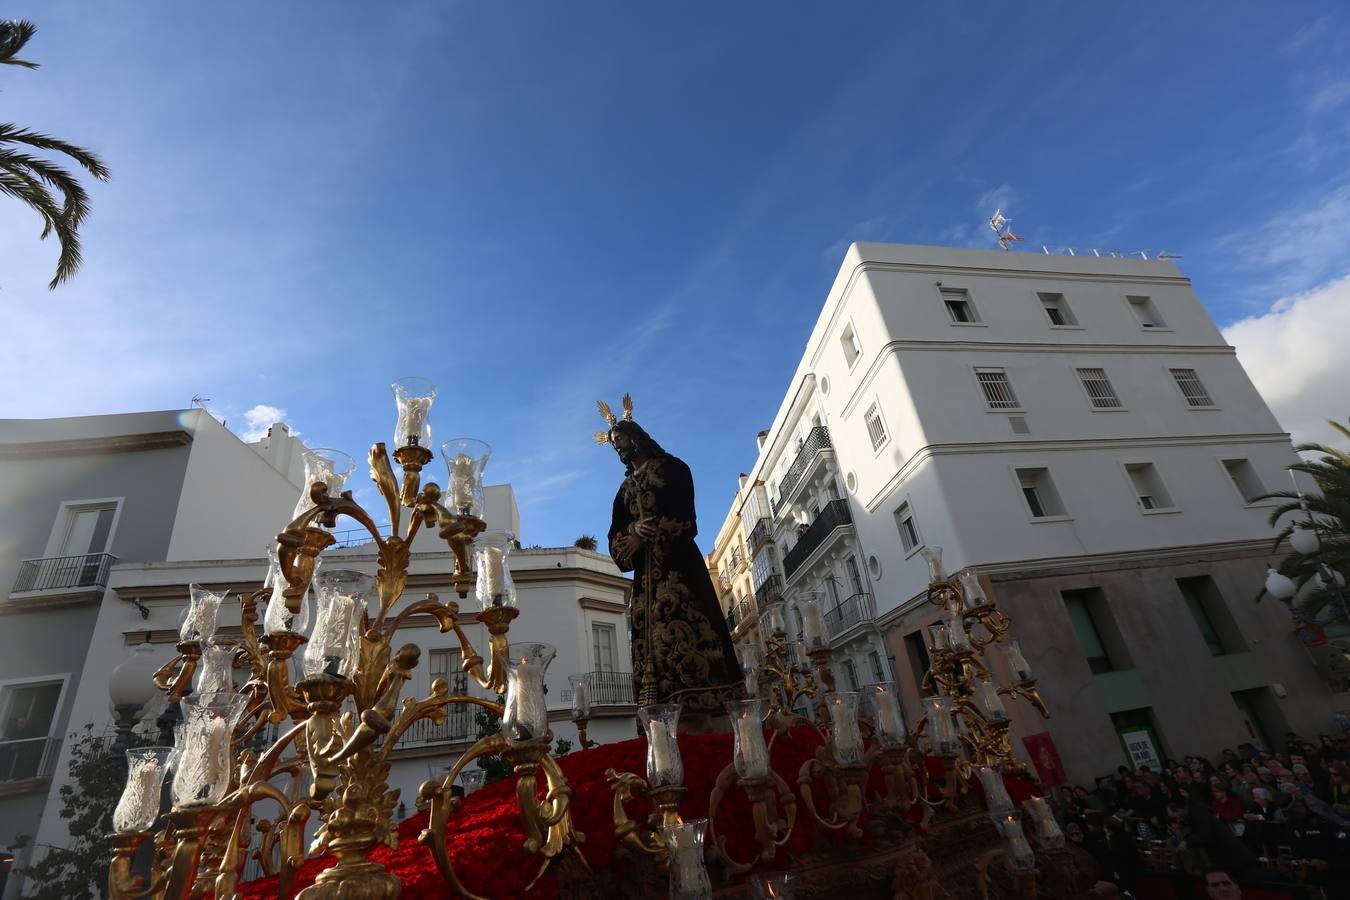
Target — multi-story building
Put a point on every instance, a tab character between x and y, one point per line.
80	496
1075	428
574	599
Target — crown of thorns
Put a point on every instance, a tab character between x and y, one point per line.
602	437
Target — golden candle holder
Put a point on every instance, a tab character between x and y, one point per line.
646	841
773	808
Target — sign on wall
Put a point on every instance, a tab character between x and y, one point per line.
1141	750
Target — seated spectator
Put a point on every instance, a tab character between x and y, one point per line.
1225	807
1219	885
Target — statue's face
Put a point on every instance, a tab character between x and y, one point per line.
624	446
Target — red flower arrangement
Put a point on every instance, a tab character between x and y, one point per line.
485	839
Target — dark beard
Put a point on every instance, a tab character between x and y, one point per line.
626	455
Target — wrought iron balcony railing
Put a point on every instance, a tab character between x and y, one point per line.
835	514
817	440
607	689
761	534
22	758
732	618
89	570
770	591
855	609
457	727
724	579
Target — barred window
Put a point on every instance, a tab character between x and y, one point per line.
998	390
1192	388
876	429
1099	389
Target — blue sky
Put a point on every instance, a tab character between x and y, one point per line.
540	205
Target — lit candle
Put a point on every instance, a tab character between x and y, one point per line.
957	637
844	729
581	699
1051	834
461	483
526	714
889	721
752	755
659	744
995	792
941	727
494	574
970	586
813	624
1015	844
938	633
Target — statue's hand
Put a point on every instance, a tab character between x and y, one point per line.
645	528
626	545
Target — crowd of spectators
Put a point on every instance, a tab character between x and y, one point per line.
1262	816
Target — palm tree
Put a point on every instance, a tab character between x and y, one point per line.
37	181
586	542
1330	513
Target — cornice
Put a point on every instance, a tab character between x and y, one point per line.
121	443
608	606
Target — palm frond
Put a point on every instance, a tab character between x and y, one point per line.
27	188
14	33
76	199
11	133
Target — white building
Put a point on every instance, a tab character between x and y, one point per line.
1077	429
79	496
574	599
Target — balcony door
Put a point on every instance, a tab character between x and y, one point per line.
27	714
87	531
448	664
604	647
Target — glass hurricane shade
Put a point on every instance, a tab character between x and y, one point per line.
996	797
332	467
1304	541
941	726
1051	835
1015	846
131	683
688	875
750	754
526	712
413	398
138	807
933	556
215	670
494	586
333	645
1279	586
1017	663
990	701
845	736
774	619
813	623
277	617
471	779
465	459
665	767
581	697
971	590
887	719
199	619
204	761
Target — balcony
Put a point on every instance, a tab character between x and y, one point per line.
458	727
737	559
54	573
731	618
606	688
724	579
834	515
26	758
855	609
761	534
770	591
816	441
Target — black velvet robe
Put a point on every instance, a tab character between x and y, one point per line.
682	650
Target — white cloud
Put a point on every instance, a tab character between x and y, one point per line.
1295	354
1001	197
1299	247
260	418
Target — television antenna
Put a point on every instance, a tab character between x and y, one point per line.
1002	228
199	400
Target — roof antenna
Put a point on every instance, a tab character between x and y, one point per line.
1002	226
200	401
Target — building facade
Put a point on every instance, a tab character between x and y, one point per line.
81	496
1077	430
573	599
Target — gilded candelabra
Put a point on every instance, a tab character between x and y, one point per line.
337	725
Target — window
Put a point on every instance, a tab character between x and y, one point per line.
1148	487
1099	389
998	390
854	576
447	664
959	307
1057	309
1192	388
1217	625
850	675
82	534
909	533
27	717
876	429
878	673
1076	603
917	652
1038	490
1244	479
762	569
849	341
1146	312
603	647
